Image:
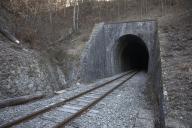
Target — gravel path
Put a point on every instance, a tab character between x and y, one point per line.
8	113
126	107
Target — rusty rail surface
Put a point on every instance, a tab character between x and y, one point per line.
33	114
84	109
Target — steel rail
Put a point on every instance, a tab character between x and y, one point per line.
58	104
84	109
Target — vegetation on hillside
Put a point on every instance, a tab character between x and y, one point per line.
42	23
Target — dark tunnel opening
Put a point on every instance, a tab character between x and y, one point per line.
133	53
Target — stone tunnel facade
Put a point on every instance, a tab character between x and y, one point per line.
118	47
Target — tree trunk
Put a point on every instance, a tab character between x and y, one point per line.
118	9
77	18
20	100
74	17
9	36
162	7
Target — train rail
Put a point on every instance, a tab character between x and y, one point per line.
85	100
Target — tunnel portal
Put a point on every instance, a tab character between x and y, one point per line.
132	53
117	47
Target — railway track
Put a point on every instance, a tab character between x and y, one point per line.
66	110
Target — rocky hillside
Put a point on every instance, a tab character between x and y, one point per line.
176	47
37	63
47	59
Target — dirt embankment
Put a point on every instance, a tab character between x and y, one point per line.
176	46
32	66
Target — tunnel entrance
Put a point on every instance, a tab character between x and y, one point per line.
111	50
132	53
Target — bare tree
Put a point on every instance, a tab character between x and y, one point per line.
76	16
162	7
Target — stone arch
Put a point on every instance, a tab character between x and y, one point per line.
131	53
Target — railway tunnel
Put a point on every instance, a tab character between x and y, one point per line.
132	53
117	47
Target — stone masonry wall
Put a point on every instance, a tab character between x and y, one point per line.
99	59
